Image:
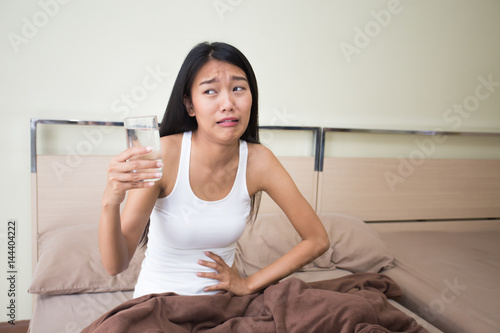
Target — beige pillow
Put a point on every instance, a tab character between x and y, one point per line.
354	245
265	241
69	263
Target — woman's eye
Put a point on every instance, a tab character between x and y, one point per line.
238	89
210	91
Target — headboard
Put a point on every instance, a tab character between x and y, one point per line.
67	187
416	187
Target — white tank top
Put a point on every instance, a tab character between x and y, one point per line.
183	226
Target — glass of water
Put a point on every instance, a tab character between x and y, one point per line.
143	131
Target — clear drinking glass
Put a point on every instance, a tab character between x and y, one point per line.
143	131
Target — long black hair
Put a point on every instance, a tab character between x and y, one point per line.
176	118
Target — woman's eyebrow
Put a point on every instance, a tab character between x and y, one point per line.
234	78
239	78
209	81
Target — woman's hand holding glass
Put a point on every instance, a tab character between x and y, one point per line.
141	164
123	174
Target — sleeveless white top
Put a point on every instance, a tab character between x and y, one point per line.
182	227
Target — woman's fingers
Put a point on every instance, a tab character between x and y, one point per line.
134	155
229	279
213	276
211	264
216	258
128	171
128	166
218	265
133	170
133	151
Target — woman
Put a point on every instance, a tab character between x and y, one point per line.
213	168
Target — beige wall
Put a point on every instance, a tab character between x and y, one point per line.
376	64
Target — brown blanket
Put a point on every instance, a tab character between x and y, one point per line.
354	303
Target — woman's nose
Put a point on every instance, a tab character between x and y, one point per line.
227	103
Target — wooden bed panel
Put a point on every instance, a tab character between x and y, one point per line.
66	194
73	196
69	195
34	221
301	169
380	189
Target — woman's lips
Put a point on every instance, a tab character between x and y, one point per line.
228	122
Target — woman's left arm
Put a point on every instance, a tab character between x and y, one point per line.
272	178
265	173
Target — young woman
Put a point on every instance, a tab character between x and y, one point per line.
213	170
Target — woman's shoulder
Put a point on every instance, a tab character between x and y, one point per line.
171	146
172	138
260	156
258	149
262	168
171	143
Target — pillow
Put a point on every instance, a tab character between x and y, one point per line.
69	263
354	246
266	240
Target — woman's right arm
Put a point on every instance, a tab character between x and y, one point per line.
119	234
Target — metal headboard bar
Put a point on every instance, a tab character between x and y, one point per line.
36	122
317	139
416	132
324	130
320	133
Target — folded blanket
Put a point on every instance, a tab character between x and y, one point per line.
353	303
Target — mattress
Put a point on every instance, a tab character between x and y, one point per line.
72	313
448	272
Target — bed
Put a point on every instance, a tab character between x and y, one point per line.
439	215
71	288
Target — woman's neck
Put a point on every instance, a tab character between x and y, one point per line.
212	153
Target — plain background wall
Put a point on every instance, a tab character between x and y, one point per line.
374	64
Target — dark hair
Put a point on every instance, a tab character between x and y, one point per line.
176	118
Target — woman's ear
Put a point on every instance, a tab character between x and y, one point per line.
189	106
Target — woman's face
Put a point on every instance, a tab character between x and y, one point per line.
221	100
